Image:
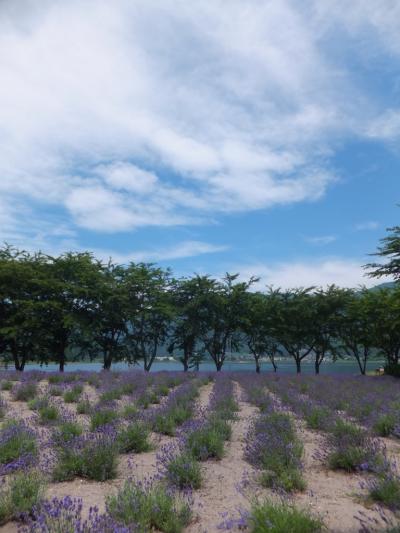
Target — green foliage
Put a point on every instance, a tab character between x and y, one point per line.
55	391
281	463
112	394
271	517
24	392
316	417
23	492
101	417
48	414
285	477
134	438
393	369
15	441
130	411
73	395
66	432
184	471
206	442
94	460
167	422
387	491
348	459
149	508
6	385
389	250
385	425
83	407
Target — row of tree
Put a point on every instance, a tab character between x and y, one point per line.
65	308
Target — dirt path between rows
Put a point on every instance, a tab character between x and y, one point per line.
333	495
219	497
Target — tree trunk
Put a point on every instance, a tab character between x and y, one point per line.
185	366
62	363
218	365
298	366
317	364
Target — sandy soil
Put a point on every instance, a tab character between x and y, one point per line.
219	494
337	497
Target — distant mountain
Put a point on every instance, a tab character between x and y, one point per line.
387	285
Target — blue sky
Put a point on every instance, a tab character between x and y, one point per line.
252	137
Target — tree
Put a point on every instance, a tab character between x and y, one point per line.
189	299
383	306
355	327
67	302
21	277
109	316
390	250
149	312
294	324
222	317
327	307
259	323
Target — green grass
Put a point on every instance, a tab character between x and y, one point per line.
282	518
148	509
24	491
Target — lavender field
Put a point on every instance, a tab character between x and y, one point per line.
196	452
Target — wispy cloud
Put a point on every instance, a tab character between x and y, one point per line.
367	226
177	251
161	113
306	273
321	240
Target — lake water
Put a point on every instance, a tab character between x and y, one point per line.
284	366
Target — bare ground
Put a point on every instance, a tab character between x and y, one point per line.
219	495
337	497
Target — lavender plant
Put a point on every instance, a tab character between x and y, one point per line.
18	447
65	516
147	506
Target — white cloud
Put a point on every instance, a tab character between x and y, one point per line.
368	225
232	106
178	251
132	113
386	126
307	273
321	240
128	177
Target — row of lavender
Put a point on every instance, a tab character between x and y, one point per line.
350	447
373	402
114	414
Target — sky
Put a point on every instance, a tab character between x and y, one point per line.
260	137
